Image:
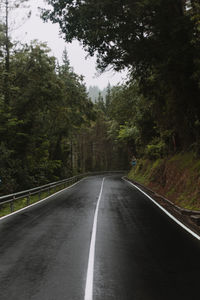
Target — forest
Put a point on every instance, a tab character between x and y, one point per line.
49	127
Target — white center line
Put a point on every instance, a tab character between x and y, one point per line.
90	269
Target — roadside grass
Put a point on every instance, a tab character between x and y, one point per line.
24	202
170	192
187	160
188	202
143	171
176	177
138	177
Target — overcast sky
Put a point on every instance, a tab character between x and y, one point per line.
35	28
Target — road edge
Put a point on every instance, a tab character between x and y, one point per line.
38	202
169	214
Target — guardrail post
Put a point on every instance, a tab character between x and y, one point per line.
28	199
39	195
12	205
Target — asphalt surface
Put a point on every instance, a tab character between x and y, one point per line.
141	254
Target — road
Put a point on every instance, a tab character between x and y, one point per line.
141	254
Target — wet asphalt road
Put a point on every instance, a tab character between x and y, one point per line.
141	254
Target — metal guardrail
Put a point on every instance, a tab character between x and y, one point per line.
12	198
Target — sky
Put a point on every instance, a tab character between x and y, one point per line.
35	28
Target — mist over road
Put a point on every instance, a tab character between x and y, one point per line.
140	253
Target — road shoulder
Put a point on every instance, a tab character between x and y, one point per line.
189	218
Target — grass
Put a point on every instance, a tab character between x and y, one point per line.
177	178
187	202
143	170
170	192
157	163
140	172
186	160
24	202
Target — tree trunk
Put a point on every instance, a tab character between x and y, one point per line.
7	58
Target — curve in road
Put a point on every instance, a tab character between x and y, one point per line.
140	253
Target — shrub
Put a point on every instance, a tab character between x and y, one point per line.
156	150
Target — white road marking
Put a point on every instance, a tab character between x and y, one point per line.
36	203
167	213
90	269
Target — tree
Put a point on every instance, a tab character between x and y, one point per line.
8	24
157	40
43	121
108	98
124	33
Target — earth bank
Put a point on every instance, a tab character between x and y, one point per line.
177	178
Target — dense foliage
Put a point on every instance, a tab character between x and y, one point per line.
49	127
158	41
47	103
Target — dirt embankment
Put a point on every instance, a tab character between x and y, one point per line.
177	178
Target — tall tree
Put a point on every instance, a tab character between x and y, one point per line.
151	38
124	33
9	23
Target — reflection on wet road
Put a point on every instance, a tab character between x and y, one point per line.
140	253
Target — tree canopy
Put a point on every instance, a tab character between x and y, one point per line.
124	33
50	128
48	105
158	41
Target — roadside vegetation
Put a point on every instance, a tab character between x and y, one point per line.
32	198
176	177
